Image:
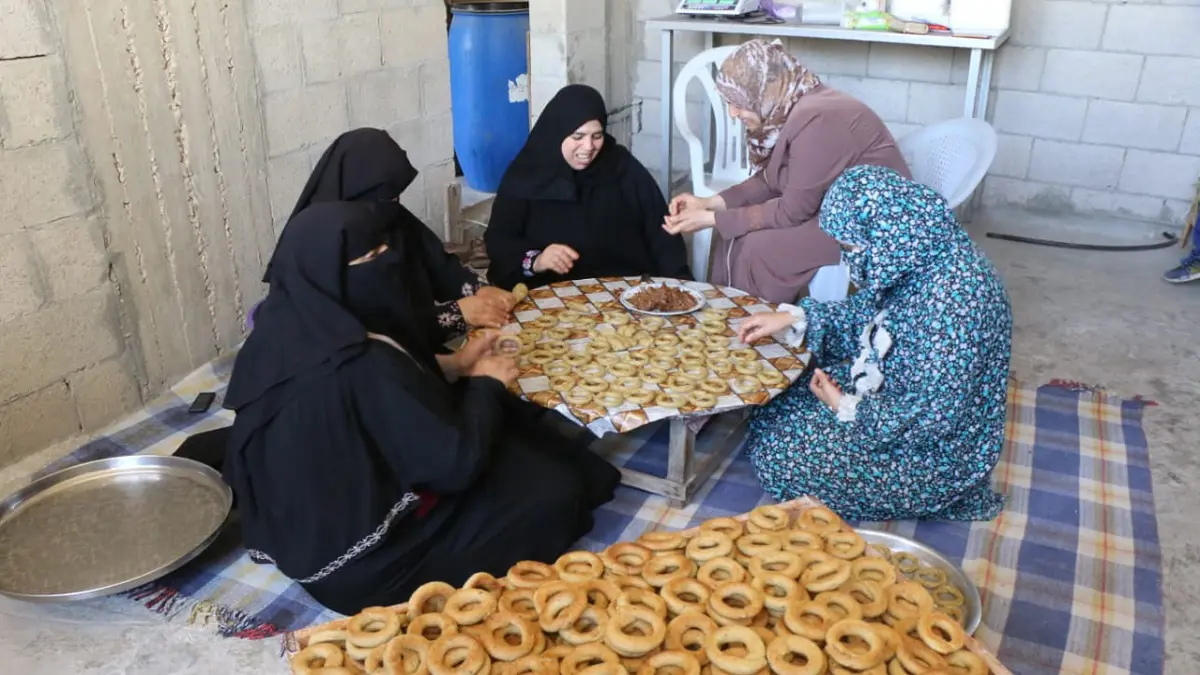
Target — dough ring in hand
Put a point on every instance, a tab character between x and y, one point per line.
520	292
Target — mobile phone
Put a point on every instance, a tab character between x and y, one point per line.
202	403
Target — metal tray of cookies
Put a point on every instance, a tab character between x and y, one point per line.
107	526
972	607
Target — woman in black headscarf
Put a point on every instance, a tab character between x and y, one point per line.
367	165
363	463
575	205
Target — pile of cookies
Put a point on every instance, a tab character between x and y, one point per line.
614	359
766	596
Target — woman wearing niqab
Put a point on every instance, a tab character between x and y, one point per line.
365	463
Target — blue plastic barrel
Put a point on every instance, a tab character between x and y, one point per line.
489	88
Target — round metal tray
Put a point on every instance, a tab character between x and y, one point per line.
630	292
972	606
107	526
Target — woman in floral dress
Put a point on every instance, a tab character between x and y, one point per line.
904	416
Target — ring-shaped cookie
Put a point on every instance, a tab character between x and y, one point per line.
578	397
730	527
637	359
623	369
662	362
940	633
692	360
722	639
837	645
470	606
577	359
845	545
712	327
592	370
772	378
786	653
593	384
702	399
744	384
616	318
665	568
748	367
719	571
745	355
563	382
666	340
642	397
682	595
669	400
778	591
612	398
540	356
654	374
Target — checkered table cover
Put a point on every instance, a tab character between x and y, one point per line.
596	297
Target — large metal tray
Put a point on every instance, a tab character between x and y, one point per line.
107	526
972	606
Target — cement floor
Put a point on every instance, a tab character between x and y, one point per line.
1100	318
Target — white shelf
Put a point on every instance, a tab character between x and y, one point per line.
677	22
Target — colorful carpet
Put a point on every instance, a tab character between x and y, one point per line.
1070	574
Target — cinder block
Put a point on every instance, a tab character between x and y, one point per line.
929	103
888	98
286	175
265	13
104	392
1069	24
427	142
33	102
298	117
414	198
413	36
832	57
587	60
586	16
648	150
384	98
73	256
1153	29
1090	73
345	47
25	29
22	288
277	50
40	348
647	80
905	62
1019	68
686	45
1077	164
1012	156
1129	206
41	183
548	16
435	88
1134	125
650	9
1001	191
548	54
33	422
1160	174
356	6
1191	134
1170	80
1039	115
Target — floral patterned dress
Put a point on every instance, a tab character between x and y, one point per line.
921	354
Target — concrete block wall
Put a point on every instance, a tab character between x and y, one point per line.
1097	103
327	66
63	362
567	45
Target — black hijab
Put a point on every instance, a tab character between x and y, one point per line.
540	171
320	308
364	165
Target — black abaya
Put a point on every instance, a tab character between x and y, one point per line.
611	213
347	447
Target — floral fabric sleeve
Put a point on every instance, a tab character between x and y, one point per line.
450	316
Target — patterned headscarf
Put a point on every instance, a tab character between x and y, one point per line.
896	226
762	77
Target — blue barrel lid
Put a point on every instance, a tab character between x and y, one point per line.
489	7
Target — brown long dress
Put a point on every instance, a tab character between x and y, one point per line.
768	242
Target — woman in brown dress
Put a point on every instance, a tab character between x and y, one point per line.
801	135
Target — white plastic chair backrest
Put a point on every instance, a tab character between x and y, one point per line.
730	165
951	157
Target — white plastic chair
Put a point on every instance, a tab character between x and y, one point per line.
730	166
952	157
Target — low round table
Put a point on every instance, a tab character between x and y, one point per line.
597	302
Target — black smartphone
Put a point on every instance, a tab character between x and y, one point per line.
202	403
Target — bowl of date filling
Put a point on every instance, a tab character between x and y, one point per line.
662	299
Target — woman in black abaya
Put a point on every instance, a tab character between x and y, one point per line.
363	463
366	165
575	204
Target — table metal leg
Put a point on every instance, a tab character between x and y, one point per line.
668	58
973	78
987	60
679	459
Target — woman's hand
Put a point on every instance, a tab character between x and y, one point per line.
687	202
556	258
499	367
689	221
460	362
824	388
758	326
488	308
